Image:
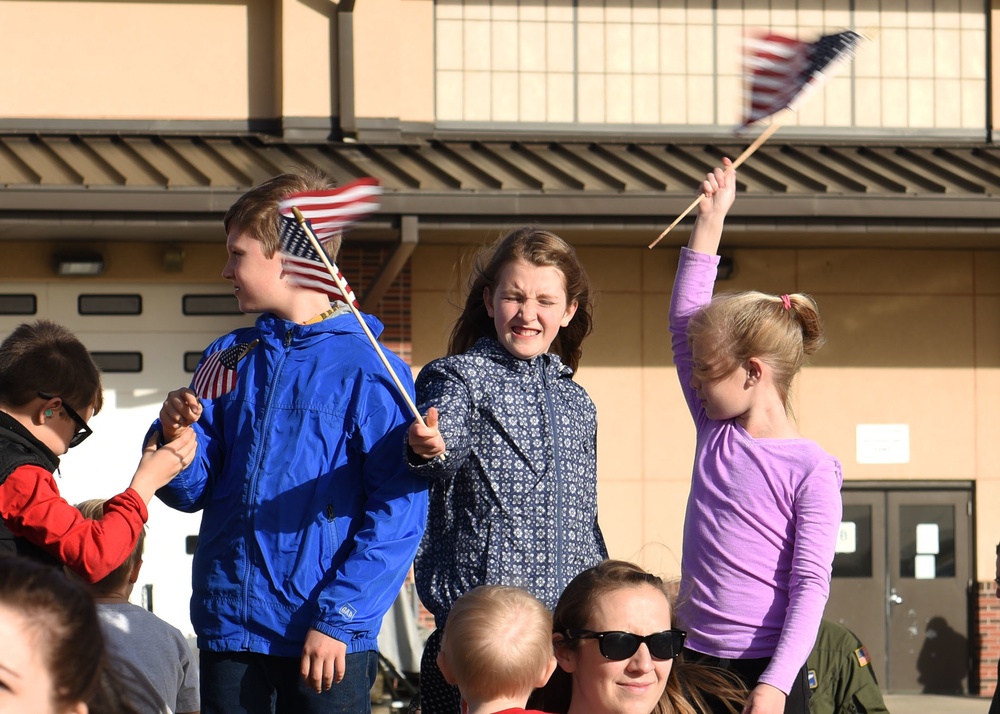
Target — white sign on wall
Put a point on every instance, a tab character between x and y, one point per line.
883	443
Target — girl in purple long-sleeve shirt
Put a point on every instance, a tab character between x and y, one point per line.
765	507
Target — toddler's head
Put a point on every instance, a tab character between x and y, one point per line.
497	644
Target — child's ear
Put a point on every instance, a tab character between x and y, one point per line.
549	669
133	577
570	312
755	369
442	663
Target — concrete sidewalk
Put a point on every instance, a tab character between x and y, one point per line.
935	704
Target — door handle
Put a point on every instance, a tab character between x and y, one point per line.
894	599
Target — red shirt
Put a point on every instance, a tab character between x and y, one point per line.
32	508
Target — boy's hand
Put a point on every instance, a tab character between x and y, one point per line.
324	661
180	409
426	441
159	465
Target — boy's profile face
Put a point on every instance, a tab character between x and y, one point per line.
256	278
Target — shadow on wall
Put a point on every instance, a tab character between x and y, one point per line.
943	660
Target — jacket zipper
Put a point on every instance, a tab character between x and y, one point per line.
556	466
254	478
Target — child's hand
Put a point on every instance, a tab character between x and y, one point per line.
426	441
719	188
180	409
158	466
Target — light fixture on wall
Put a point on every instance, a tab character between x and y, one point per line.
173	259
79	263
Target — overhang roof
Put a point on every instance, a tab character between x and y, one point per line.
56	183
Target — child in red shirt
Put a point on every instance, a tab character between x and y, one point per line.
49	389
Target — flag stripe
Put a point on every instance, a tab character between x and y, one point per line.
332	210
782	71
304	266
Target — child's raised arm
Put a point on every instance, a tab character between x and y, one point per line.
159	465
719	188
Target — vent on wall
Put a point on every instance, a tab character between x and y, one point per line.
24	304
109	304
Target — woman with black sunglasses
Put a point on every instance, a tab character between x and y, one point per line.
616	646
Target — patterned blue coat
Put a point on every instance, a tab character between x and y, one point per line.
514	499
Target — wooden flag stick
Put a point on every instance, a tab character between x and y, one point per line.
764	136
357	313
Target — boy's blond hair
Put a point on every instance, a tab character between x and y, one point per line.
497	642
94	510
256	211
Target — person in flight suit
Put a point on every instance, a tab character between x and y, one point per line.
841	678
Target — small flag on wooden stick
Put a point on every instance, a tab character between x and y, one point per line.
304	267
216	375
782	71
330	211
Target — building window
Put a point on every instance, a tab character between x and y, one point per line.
210	305
678	63
118	361
109	304
24	304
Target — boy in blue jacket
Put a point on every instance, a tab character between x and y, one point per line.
311	517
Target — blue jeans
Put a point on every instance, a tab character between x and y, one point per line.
252	683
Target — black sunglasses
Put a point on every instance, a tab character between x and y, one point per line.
82	430
622	645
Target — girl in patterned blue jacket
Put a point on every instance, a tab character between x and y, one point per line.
510	442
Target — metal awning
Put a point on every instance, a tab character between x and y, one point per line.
61	185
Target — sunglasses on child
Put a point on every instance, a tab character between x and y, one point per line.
82	430
617	646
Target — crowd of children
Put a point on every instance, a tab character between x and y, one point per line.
316	484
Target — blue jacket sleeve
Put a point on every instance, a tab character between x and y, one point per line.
356	597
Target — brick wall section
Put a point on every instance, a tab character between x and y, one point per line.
989	637
360	265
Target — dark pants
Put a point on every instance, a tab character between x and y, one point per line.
749	671
252	683
436	695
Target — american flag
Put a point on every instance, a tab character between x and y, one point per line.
304	266
329	212
783	71
216	375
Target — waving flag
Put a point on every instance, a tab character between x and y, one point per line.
783	71
304	266
216	375
329	212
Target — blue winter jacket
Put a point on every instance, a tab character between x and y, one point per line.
514	498
310	516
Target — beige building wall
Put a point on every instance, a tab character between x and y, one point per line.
137	60
913	338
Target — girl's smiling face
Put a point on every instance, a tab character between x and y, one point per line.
630	686
528	306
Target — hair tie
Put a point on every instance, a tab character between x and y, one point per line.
786	301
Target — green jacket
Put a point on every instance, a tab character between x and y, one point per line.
840	674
